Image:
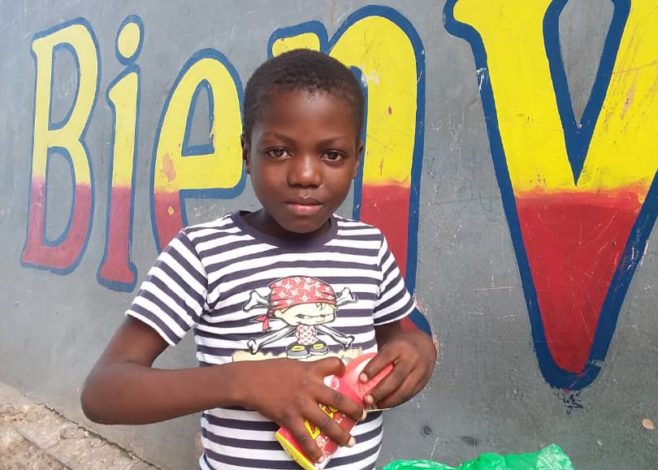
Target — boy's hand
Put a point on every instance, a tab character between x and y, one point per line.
412	354
288	392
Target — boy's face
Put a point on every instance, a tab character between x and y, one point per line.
302	155
307	314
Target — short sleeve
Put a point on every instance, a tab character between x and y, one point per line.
173	296
394	301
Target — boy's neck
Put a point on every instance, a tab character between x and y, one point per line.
264	223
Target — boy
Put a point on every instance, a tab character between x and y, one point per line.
288	283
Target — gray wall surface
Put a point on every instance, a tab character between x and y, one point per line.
510	158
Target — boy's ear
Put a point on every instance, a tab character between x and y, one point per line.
246	147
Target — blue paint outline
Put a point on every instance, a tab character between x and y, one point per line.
416	166
555	375
62	47
199	149
66	156
357	186
417	158
120	57
632	255
83	248
132	67
578	136
216	193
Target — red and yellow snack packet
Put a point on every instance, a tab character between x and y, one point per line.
350	386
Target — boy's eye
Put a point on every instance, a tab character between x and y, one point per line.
333	156
277	153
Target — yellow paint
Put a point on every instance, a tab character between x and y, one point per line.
624	148
385	55
79	38
128	40
123	96
301	41
220	169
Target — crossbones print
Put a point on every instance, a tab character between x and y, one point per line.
305	304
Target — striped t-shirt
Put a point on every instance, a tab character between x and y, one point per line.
252	296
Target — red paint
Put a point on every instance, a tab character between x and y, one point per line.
168	216
574	242
387	207
65	254
116	264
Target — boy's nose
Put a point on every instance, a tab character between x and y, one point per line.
304	170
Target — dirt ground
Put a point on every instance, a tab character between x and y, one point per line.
33	437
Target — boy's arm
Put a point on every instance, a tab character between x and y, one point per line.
123	387
413	354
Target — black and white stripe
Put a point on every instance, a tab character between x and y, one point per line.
203	279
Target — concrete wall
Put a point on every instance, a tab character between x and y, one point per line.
511	159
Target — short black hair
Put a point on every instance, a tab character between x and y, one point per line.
300	69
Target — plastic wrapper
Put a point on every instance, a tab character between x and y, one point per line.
549	458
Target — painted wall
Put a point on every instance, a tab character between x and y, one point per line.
510	158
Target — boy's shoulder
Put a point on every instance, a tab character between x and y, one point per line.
347	223
224	224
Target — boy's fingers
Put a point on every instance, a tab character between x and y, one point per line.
390	384
383	358
403	394
388	398
333	398
328	426
385	388
329	366
304	439
413	384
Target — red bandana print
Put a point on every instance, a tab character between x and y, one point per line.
298	290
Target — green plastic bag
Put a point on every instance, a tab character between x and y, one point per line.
549	458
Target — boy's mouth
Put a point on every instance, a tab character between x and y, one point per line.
304	206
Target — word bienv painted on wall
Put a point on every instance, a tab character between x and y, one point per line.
379	44
580	197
